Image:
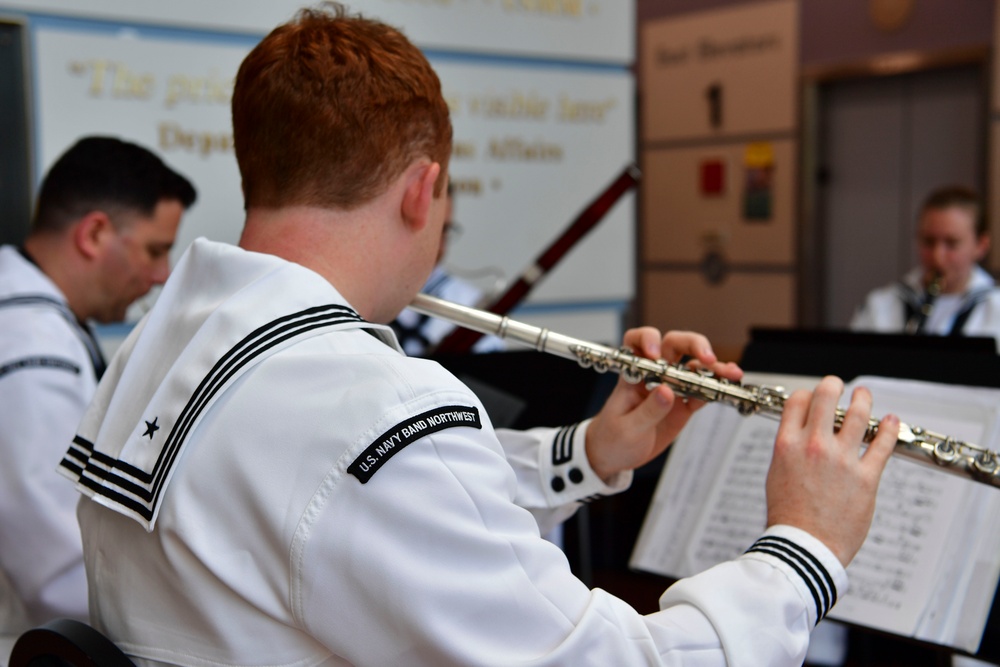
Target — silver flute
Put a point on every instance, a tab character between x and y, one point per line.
914	442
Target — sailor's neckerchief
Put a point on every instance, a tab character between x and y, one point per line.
910	291
223	311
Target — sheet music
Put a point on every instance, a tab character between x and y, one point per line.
736	507
931	561
894	573
675	513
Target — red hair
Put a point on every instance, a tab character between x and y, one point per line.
329	109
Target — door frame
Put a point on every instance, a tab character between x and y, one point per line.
811	227
17	197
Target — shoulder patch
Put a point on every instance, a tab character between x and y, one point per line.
410	430
40	362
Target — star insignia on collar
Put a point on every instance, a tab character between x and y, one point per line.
151	428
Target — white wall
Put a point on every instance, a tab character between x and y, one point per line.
542	100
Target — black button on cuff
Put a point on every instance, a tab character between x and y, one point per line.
558	484
576	475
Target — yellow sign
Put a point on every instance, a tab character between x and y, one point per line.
760	154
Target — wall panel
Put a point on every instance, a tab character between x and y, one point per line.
724	312
681	223
720	145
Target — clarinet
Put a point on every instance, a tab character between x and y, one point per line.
916	323
942	451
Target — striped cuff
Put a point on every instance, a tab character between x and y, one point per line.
570	477
818	573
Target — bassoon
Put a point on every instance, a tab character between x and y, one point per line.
461	340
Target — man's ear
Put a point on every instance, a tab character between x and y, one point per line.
91	234
982	247
419	194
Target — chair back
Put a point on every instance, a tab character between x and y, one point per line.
66	643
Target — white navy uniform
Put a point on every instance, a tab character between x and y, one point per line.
49	364
312	496
975	312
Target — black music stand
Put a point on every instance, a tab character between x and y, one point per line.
971	361
524	388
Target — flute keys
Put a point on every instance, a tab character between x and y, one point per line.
945	452
628	367
632	374
985	463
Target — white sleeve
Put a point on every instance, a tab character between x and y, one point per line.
553	472
40	546
985	319
863	318
881	311
441	567
758	583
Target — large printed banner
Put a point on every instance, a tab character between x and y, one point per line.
591	30
534	143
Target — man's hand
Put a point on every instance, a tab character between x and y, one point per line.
819	481
636	425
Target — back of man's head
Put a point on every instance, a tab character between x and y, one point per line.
329	108
106	174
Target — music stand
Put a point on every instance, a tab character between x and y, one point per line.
970	361
524	388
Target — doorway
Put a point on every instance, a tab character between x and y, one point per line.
882	143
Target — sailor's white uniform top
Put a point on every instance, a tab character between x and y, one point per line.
48	368
275	483
975	312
